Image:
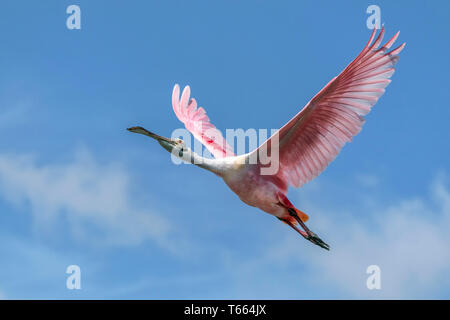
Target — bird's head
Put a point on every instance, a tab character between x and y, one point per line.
174	146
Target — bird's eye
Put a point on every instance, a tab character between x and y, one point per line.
181	152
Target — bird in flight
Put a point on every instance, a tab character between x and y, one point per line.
305	145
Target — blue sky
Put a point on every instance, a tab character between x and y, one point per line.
77	188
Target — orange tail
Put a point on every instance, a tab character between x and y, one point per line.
303	216
285	202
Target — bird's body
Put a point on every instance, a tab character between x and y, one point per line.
304	146
253	188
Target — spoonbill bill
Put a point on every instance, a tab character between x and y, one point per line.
305	145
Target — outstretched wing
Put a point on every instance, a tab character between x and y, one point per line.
197	122
315	136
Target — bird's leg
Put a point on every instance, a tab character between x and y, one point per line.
311	236
302	233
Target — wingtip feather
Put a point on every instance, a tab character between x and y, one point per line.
175	96
398	49
391	41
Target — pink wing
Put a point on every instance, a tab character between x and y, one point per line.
197	122
314	137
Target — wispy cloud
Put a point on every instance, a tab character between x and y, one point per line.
408	237
368	180
93	198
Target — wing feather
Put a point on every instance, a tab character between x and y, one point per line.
315	136
197	122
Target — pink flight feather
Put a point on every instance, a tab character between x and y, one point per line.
197	122
315	136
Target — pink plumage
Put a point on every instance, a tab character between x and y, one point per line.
306	144
314	137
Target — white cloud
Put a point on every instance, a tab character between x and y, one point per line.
92	197
409	241
408	238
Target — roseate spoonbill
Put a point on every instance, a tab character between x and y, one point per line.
306	144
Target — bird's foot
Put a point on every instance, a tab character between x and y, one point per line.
311	236
308	234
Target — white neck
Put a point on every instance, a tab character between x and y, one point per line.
217	166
